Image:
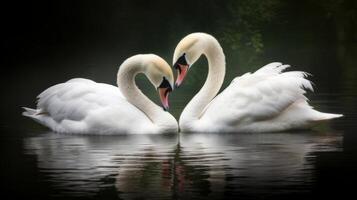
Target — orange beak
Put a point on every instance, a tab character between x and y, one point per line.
164	97
181	73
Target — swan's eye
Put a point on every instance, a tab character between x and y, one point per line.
165	84
181	61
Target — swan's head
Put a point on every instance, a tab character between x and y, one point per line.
187	52
160	75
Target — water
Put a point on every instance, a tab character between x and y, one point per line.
292	165
171	166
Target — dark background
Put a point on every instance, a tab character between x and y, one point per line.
48	42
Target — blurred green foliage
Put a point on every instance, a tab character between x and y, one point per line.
244	23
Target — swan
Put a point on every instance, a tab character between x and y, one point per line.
82	106
268	100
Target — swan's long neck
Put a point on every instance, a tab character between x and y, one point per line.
216	72
126	83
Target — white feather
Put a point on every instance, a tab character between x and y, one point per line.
84	106
267	100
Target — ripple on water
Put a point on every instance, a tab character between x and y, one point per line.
164	167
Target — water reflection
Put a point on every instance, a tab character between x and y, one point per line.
165	166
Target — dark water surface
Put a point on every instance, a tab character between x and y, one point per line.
189	165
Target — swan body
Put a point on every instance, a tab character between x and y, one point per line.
82	106
267	100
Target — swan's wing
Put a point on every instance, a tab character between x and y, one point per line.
84	106
74	99
258	96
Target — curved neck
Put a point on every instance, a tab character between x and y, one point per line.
126	83
216	72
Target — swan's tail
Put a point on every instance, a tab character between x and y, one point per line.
320	116
29	112
42	117
36	114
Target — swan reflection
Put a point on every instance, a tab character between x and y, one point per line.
165	166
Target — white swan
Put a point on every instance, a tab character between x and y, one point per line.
83	106
265	101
